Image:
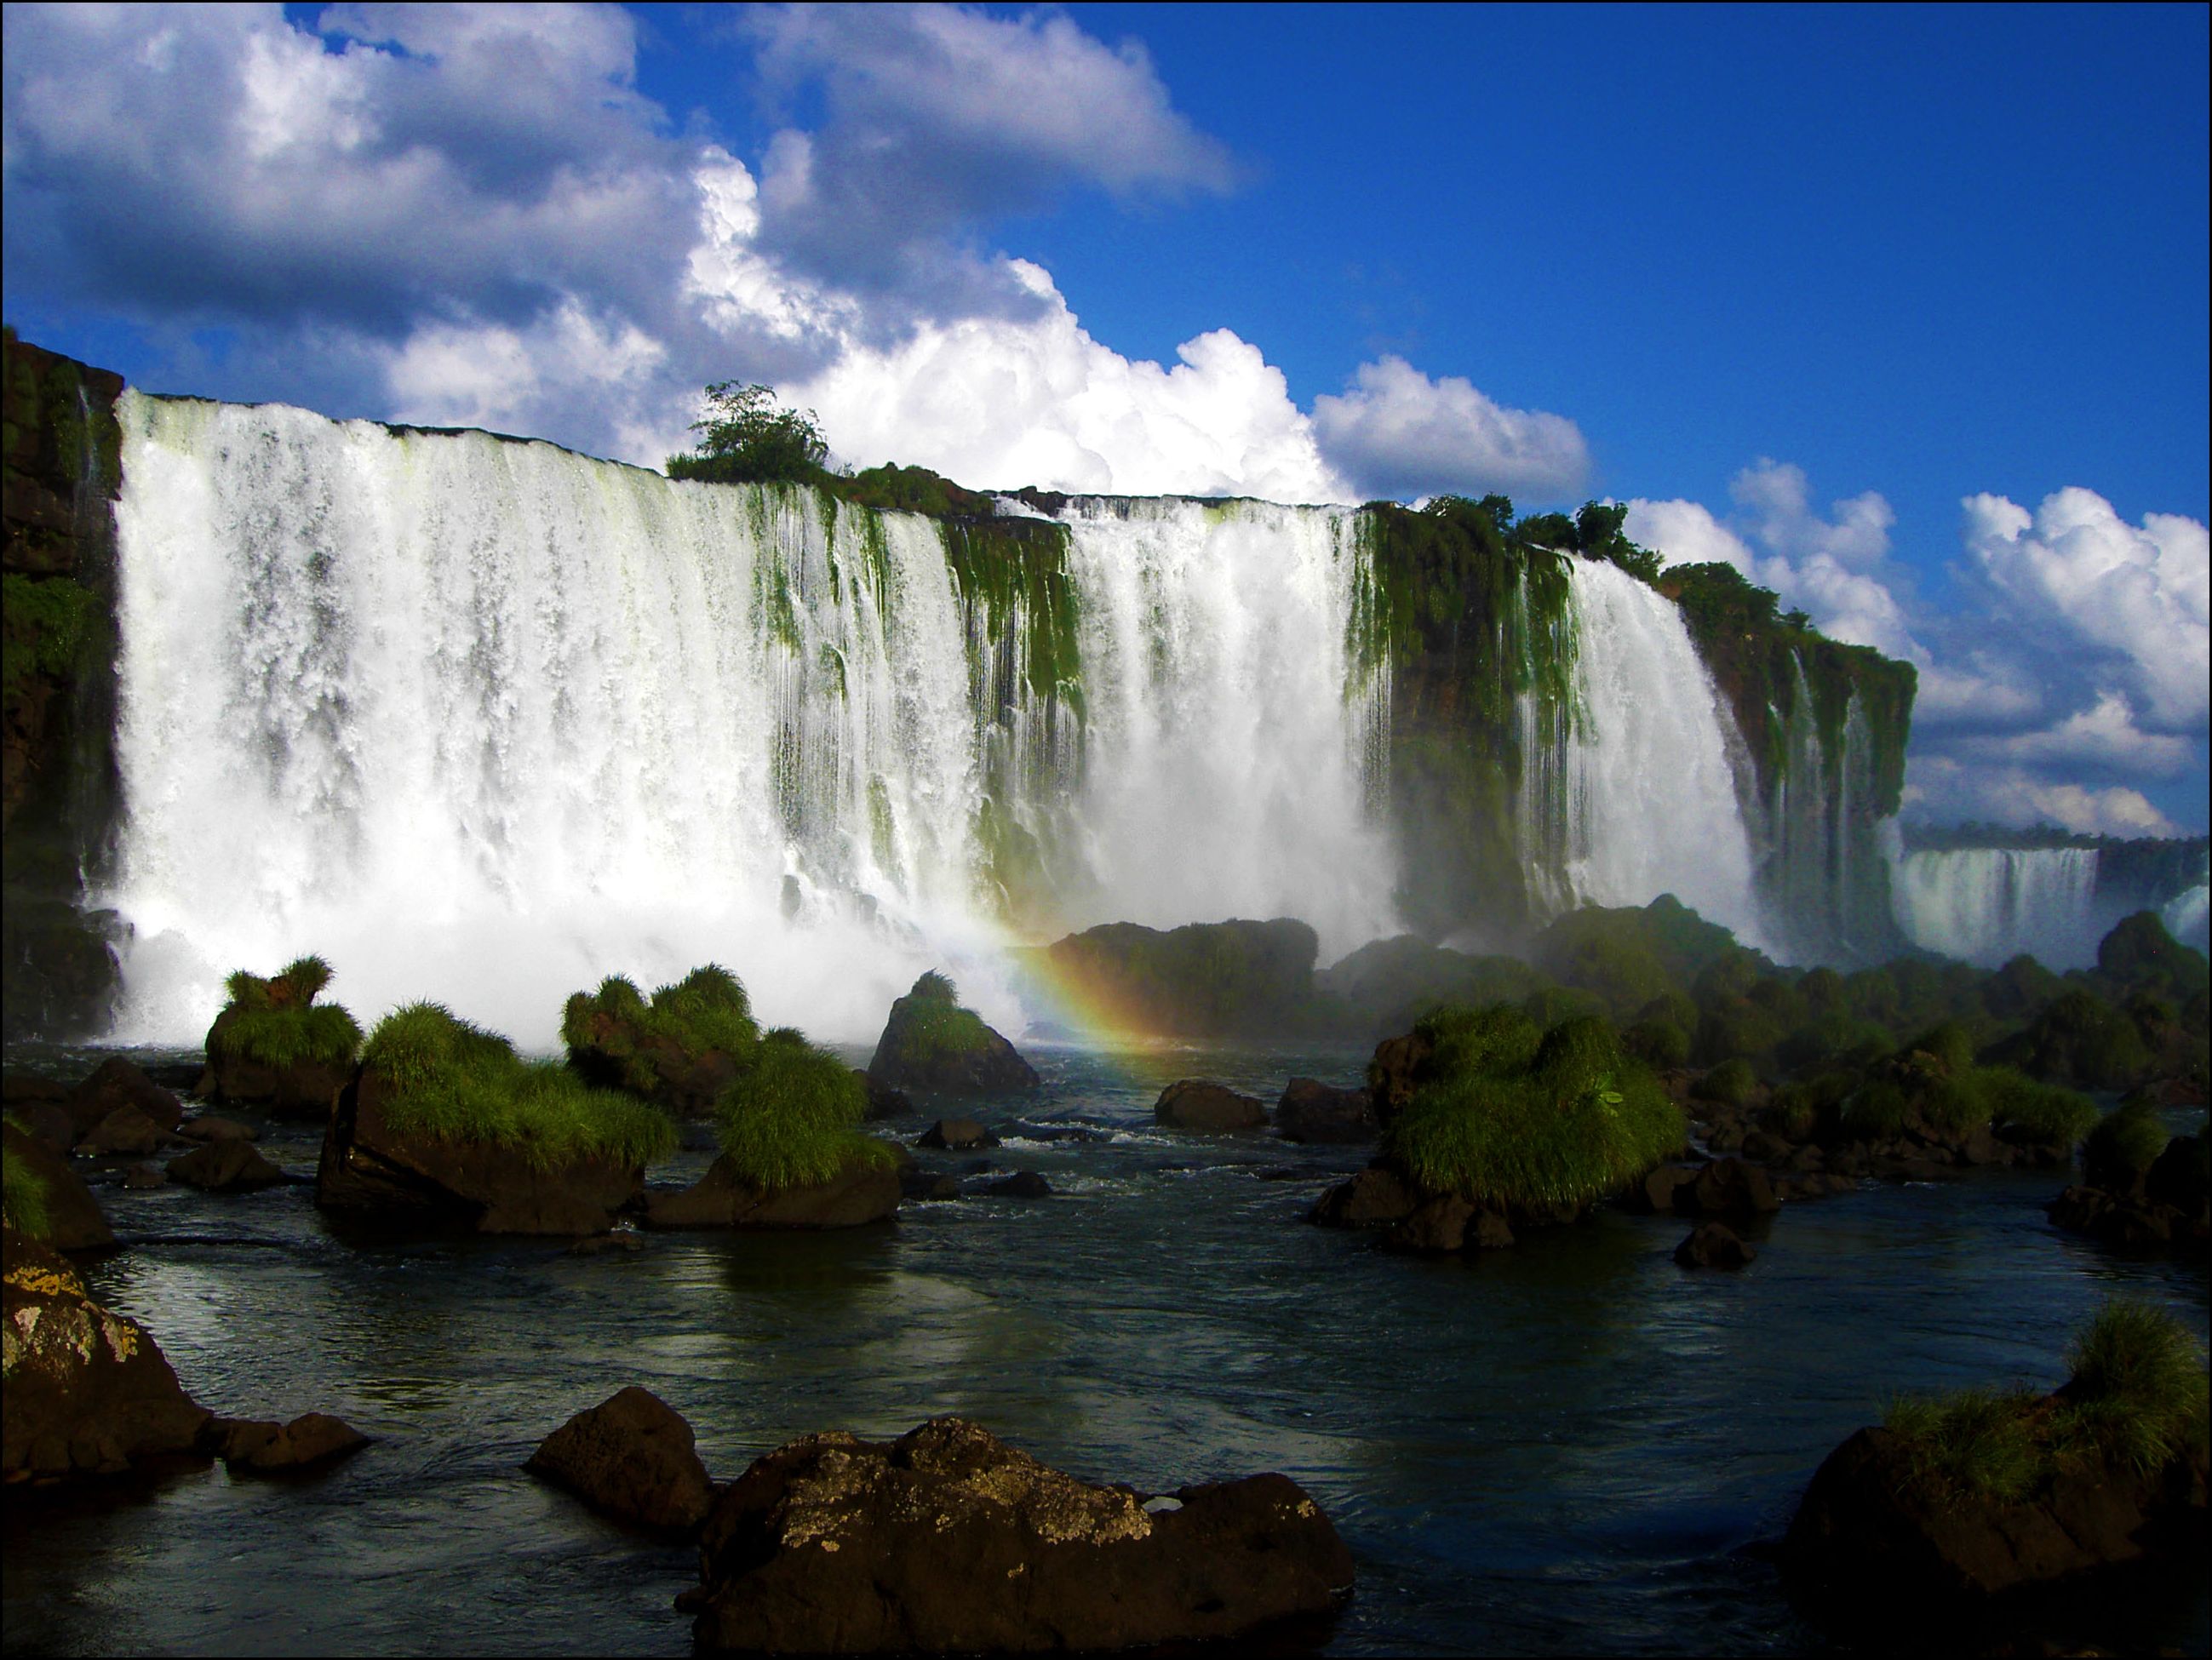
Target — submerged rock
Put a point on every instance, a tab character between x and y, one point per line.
226	1167
632	1456
1376	1197
1714	1245
947	1540
209	1127
87	1391
931	1042
1196	1105
1022	1184
263	1445
865	1190
956	1134
1312	1112
380	1175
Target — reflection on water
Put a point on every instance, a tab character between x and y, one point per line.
1561	1448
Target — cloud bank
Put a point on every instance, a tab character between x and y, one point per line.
469	214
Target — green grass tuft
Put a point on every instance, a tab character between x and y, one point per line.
2138	1392
23	1196
1974	1443
792	1120
276	1022
2125	1142
1730	1083
2022	1110
706	1010
454	1082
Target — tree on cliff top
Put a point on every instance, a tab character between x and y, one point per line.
745	438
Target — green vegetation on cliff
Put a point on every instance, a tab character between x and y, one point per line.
276	1023
453	1081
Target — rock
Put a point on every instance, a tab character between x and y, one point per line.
1656	1193
139	1179
624	1239
1312	1112
41	1107
125	1132
946	1540
1490	1231
2129	1221
863	1191
88	1392
117	1084
1436	1225
1767	1147
262	1445
931	1042
1195	1104
378	1174
1376	1197
883	1102
73	1219
208	1128
226	1167
1727	1187
1868	1527
631	1456
958	1134
924	1185
1395	1072
1022	1184
21	1090
1711	1245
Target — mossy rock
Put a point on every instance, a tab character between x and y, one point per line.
680	1049
932	1043
273	1046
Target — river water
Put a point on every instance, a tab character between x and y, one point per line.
1573	1446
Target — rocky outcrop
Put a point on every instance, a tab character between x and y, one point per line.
2165	1208
1196	1105
116	1085
229	1166
1868	1528
631	1456
86	1392
865	1190
1312	1112
388	1178
931	1042
948	1541
262	1446
307	1090
73	1219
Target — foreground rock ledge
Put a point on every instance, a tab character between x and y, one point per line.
948	1541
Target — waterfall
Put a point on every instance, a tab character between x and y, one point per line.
1647	792
1986	905
484	721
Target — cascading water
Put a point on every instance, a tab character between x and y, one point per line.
1646	791
484	721
1986	905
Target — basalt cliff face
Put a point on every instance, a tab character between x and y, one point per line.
409	698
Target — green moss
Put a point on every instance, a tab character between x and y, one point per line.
791	1119
453	1081
46	622
1558	1127
938	1026
1015	589
23	1196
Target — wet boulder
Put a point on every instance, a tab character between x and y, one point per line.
1022	1184
1727	1187
932	1041
87	1391
631	1456
1376	1197
116	1085
1195	1104
40	1106
209	1127
883	1101
143	1178
378	1174
262	1446
946	1540
956	1134
1714	1245
74	1220
1311	1110
864	1190
225	1167
125	1132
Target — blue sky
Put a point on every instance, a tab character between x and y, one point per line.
1904	311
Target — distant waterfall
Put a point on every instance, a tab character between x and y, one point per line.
485	721
1987	905
1647	793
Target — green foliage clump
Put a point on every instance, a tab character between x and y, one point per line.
2041	1114
938	1025
745	438
1533	1127
1950	1043
1877	1111
276	1023
2079	1038
2140	955
2138	1393
1657	1043
1731	1083
618	1028
23	1196
1973	1443
791	1119
2125	1142
453	1081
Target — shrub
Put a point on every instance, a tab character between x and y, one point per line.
276	1023
706	1010
1730	1083
1660	1043
1573	1121
791	1119
1949	1043
2043	1115
2125	1142
23	1196
453	1081
1877	1111
2138	1392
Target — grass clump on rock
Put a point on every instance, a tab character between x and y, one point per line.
1513	1121
276	1023
940	1025
792	1119
23	1196
453	1081
617	1037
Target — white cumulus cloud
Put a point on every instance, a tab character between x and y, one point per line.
1394	431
